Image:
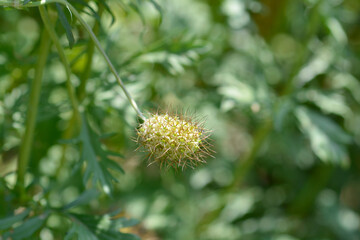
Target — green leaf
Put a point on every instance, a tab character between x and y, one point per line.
28	228
107	8
138	11
9	221
112	164
83	199
327	101
96	158
101	227
26	2
158	8
349	82
125	222
177	57
64	22
285	107
86	5
328	140
93	167
81	231
336	30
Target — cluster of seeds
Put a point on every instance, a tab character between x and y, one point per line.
173	141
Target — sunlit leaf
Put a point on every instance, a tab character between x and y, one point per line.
101	227
348	81
328	102
328	140
337	30
177	57
158	8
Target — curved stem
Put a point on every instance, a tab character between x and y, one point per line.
306	197
93	37
25	148
90	53
243	167
49	28
111	66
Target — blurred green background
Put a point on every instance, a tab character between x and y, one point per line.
277	82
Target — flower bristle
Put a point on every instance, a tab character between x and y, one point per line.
173	140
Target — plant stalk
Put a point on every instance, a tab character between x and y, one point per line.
50	29
306	197
90	53
75	121
111	66
25	148
244	166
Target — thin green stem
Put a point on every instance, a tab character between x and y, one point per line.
307	195
50	29
93	37
244	166
28	137
75	120
111	66
90	53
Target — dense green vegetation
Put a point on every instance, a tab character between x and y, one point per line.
276	81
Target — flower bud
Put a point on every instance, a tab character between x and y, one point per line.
173	141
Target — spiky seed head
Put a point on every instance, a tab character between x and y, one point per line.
173	140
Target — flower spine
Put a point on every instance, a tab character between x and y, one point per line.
173	141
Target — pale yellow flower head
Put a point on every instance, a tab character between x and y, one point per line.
173	140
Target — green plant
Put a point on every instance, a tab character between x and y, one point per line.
82	225
277	81
95	162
